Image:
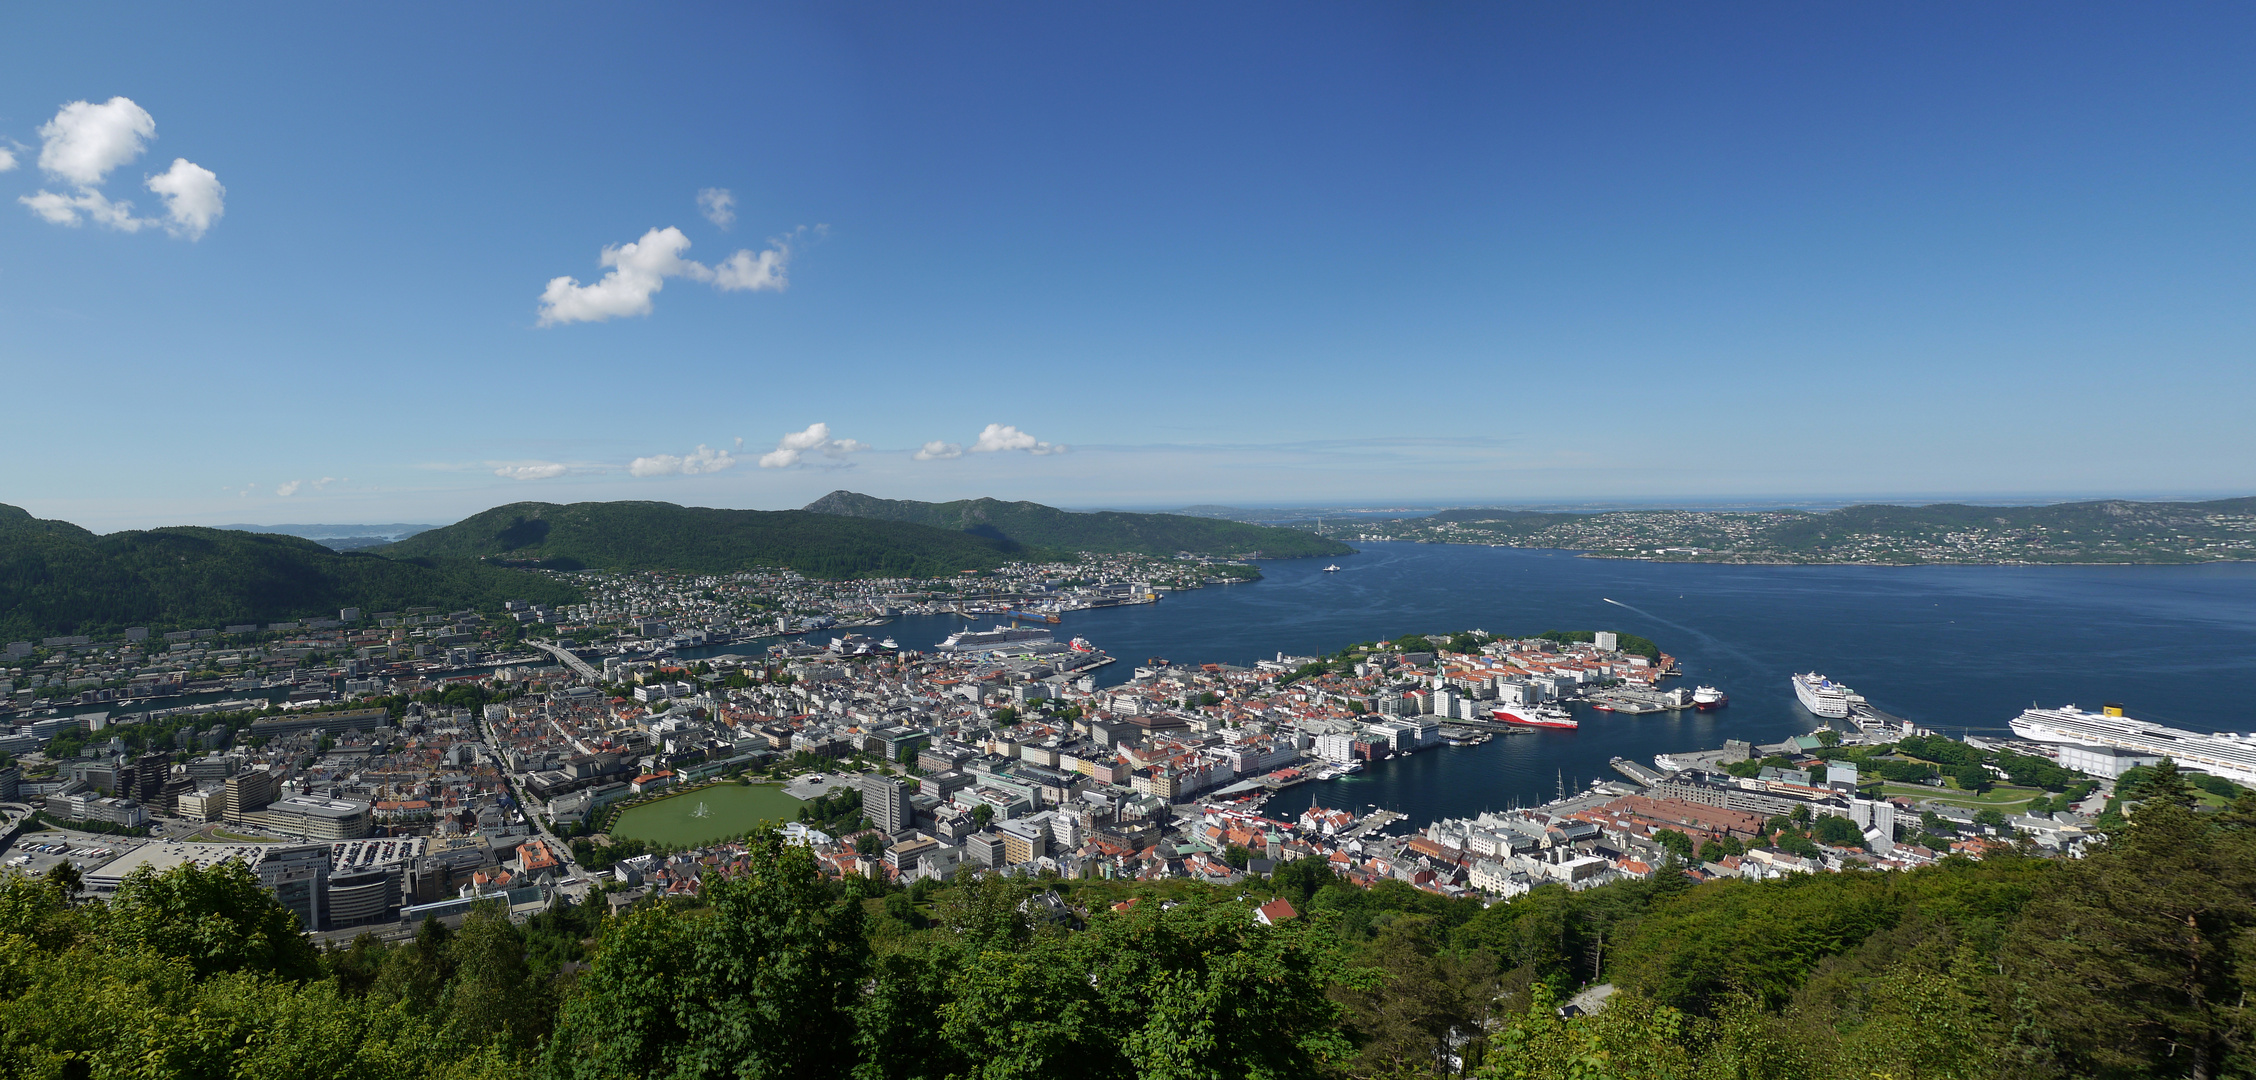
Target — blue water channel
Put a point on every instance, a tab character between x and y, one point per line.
1958	648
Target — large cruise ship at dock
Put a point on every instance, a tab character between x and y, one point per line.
2223	753
1825	697
1001	637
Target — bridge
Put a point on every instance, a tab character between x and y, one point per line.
585	670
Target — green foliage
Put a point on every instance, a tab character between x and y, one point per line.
215	919
56	578
765	984
1033	525
1630	643
1940	750
663	536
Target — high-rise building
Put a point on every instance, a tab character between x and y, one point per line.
298	876
885	801
149	773
248	793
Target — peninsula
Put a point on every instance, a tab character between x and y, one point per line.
2109	531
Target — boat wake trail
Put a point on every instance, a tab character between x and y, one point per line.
1711	639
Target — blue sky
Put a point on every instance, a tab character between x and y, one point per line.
1137	255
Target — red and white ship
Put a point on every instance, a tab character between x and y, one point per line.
1708	697
1543	716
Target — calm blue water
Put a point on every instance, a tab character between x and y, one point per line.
1961	648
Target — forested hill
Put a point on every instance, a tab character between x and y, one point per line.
57	578
663	536
1109	531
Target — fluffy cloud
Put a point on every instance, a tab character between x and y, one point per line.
85	142
640	269
7	159
704	459
816	439
718	206
746	272
937	450
538	470
998	438
193	195
289	489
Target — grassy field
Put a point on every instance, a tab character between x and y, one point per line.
729	810
2003	797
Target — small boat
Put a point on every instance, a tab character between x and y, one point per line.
1602	706
1332	569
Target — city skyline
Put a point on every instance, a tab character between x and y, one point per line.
1114	258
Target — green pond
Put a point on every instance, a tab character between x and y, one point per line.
706	814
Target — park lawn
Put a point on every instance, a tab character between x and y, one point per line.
2003	796
730	810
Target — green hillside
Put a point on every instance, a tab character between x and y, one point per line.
663	536
1109	531
57	578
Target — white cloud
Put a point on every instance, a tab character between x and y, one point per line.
640	269
937	450
718	206
538	470
704	459
998	438
65	209
746	272
193	195
85	141
289	489
816	439
7	159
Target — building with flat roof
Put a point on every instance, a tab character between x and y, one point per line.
317	818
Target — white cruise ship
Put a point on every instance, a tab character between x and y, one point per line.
1825	697
2222	753
1001	637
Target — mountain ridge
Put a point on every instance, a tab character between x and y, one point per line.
1103	531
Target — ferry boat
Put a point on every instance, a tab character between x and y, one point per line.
1708	697
1082	644
1825	697
1602	705
1542	716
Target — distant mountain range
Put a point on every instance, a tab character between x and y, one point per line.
57	578
663	536
1109	531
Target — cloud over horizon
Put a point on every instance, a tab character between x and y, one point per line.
640	269
85	142
816	439
1003	438
537	470
702	460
